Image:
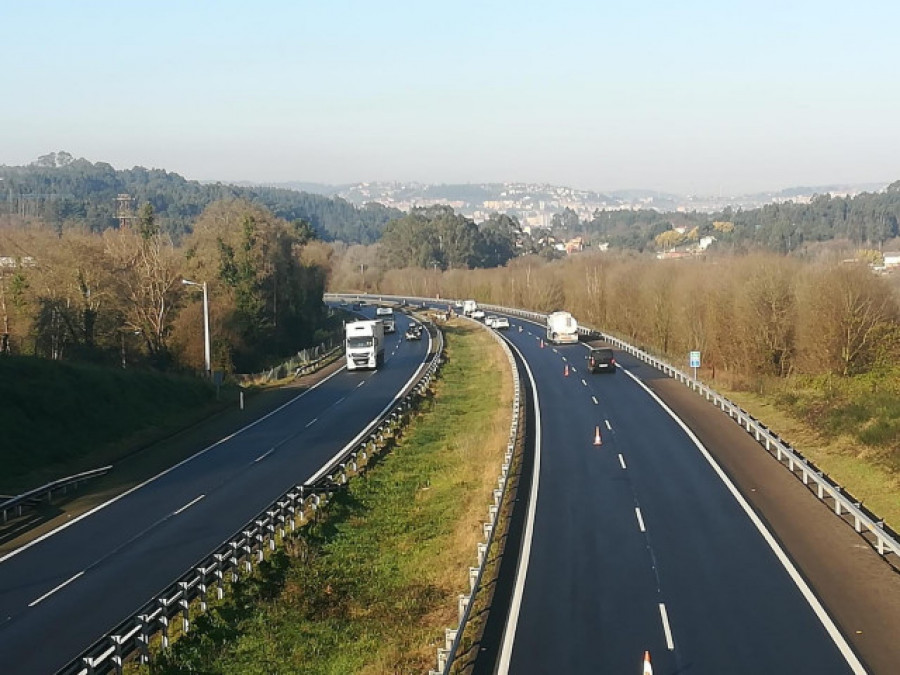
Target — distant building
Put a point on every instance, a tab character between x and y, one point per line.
10	262
574	245
891	258
705	242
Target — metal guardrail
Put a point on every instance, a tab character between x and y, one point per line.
19	503
873	529
247	546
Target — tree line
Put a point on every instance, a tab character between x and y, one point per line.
867	219
68	193
750	316
117	297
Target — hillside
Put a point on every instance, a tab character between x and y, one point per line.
59	418
68	192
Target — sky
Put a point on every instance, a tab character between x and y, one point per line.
689	97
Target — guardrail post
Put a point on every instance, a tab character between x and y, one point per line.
164	623
201	587
463	605
117	652
220	571
235	558
185	611
481	548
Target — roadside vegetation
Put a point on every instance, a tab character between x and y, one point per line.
61	418
370	587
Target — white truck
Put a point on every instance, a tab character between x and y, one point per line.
562	329
364	344
386	314
469	306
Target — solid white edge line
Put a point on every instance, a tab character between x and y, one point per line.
188	505
670	643
823	616
621	461
51	592
163	473
640	519
340	453
509	631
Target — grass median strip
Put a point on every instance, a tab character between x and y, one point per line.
370	587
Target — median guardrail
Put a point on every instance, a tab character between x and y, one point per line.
179	602
17	505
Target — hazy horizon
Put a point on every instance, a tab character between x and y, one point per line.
690	98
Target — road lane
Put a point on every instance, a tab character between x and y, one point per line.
61	593
657	556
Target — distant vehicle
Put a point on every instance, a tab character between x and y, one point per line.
562	329
384	311
414	332
457	304
477	314
601	360
389	325
500	323
364	344
469	306
489	320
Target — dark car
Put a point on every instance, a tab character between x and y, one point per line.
601	360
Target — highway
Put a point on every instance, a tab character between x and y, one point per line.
639	544
61	593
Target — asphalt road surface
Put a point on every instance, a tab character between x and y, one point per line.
64	591
638	543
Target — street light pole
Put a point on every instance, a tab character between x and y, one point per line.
205	322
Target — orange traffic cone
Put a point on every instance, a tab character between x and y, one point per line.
566	371
542	344
597	439
648	669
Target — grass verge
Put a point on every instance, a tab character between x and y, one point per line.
370	588
844	425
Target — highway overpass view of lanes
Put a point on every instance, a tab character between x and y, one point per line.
633	538
635	542
65	590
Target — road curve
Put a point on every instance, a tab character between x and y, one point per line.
63	591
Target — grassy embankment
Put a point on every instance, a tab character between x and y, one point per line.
370	588
850	428
57	419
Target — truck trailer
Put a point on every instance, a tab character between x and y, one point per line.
364	346
562	329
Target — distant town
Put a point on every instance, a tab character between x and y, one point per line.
535	204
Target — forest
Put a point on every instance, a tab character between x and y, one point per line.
68	193
867	220
116	297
